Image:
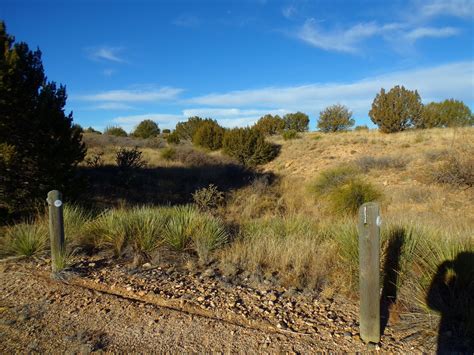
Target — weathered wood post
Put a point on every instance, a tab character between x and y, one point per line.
56	228
369	282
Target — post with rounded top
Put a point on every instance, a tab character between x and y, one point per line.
369	261
56	228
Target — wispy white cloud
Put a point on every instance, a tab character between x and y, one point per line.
289	11
162	94
425	32
341	40
112	106
108	72
434	83
457	8
186	20
106	53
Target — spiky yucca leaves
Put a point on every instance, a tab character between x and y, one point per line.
25	239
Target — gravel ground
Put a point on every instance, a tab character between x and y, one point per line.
104	306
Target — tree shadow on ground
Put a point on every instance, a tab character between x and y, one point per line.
451	293
391	271
110	186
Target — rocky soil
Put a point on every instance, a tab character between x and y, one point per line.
101	304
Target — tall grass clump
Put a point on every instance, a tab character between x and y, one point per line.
110	230
344	190
332	178
347	198
25	239
292	249
76	220
187	228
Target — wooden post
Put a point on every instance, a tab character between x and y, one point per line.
56	228
369	261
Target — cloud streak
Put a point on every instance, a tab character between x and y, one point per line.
106	53
162	94
457	8
435	83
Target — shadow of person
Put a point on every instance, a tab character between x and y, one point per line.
451	293
391	269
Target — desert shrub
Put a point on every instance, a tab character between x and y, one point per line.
248	146
166	131
270	125
209	135
396	110
95	160
92	130
129	158
289	134
168	153
186	130
335	118
332	178
173	138
361	128
208	198
367	163
25	239
449	113
298	121
192	157
115	131
456	170
347	198
146	129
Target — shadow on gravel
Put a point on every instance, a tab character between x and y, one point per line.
451	293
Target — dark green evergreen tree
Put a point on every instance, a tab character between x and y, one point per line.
40	146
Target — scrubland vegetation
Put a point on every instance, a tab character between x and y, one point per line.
272	200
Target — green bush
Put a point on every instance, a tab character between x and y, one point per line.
168	153
270	125
209	135
129	159
248	146
361	128
146	129
332	178
173	138
208	198
92	130
115	131
166	131
347	198
186	130
335	118
449	113
290	134
298	121
396	110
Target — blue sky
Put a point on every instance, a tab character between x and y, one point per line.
125	61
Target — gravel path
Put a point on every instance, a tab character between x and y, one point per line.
118	312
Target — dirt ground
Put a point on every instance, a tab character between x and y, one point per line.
102	311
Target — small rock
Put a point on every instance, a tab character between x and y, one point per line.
146	266
141	293
91	264
347	334
200	299
282	325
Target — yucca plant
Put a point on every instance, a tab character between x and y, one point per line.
209	235
181	225
26	239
